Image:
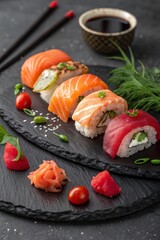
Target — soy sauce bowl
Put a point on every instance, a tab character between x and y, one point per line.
103	42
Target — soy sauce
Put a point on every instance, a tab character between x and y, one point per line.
107	24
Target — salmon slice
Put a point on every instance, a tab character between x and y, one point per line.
96	110
36	64
66	96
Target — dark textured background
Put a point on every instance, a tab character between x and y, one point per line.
15	16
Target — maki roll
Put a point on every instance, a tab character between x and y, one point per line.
67	96
130	132
51	78
95	111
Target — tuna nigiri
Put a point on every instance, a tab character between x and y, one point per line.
67	96
36	64
130	132
48	177
96	110
51	78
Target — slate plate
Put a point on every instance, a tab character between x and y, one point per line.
80	149
19	197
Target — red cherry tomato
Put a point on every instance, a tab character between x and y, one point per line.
23	100
78	195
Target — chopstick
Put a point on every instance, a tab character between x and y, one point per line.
52	6
69	15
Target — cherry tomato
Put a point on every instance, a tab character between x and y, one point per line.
78	195
23	100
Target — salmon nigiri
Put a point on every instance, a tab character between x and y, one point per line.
36	64
67	96
95	111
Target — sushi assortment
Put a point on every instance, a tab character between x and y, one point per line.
72	92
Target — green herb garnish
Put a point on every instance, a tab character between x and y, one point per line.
17	88
112	114
109	114
155	161
101	94
132	113
6	137
140	136
138	85
62	137
39	120
141	161
145	160
62	65
29	112
70	67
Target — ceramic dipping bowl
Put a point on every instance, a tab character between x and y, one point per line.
102	35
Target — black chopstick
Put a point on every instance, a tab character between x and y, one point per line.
69	15
32	28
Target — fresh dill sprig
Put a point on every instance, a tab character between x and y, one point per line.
138	85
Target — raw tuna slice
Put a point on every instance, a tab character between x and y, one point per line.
104	184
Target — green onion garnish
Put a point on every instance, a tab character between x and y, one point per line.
29	112
132	113
70	67
61	65
155	161
141	161
101	94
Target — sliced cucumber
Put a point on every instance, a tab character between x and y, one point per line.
46	79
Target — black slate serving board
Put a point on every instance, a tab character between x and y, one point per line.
19	197
80	149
